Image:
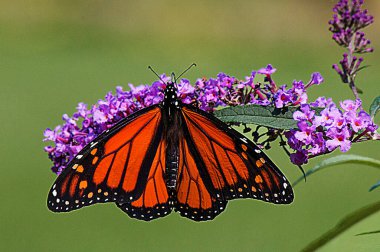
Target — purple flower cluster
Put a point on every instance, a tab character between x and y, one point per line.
226	90
346	25
207	94
332	128
348	20
317	134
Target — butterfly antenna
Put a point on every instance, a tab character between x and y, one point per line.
174	79
187	69
151	69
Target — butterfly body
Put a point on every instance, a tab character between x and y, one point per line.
172	132
170	156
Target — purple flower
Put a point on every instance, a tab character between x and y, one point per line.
305	133
359	122
319	145
49	149
321	102
258	101
305	113
282	97
81	110
350	105
186	91
299	158
100	117
339	122
51	135
268	70
293	142
339	138
327	117
69	120
316	79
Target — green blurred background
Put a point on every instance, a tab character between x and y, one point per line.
54	54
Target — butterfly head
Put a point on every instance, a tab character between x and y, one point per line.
170	92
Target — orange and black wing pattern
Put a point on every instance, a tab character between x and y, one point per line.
154	201
219	164
116	166
169	156
193	199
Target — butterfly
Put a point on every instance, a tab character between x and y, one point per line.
169	156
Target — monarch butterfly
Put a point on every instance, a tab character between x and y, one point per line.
169	156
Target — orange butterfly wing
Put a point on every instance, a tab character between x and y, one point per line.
193	199
126	165
114	167
221	164
154	201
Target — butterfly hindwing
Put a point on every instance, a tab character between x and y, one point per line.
194	201
154	201
231	165
111	167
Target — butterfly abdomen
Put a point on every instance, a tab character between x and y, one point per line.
171	168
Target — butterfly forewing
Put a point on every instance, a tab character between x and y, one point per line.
110	168
232	166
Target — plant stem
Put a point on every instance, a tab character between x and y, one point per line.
353	88
344	224
350	63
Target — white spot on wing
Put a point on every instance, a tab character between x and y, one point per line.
244	140
54	193
79	156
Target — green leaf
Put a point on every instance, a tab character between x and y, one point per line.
374	186
341	159
359	69
267	116
342	227
369	232
375	106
